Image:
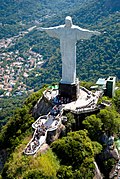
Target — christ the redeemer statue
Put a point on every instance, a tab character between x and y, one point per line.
68	34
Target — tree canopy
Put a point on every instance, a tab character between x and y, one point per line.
107	120
76	152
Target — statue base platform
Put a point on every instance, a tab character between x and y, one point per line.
69	92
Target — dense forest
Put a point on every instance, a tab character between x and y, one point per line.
8	107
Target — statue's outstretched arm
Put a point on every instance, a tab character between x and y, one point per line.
85	34
95	32
41	29
51	31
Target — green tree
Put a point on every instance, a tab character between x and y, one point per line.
110	119
35	174
74	149
19	123
107	166
70	121
65	172
87	84
94	125
87	168
116	100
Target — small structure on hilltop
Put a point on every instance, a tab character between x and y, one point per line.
110	86
107	85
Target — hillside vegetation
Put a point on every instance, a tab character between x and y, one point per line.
75	152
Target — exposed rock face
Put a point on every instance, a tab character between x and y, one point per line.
43	106
98	174
54	135
44	148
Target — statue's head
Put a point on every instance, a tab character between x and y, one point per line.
68	21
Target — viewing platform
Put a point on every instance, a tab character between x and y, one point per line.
86	102
42	126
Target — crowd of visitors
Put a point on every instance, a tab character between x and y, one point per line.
42	126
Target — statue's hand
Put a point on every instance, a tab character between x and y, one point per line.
97	33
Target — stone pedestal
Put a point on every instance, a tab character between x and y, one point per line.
70	92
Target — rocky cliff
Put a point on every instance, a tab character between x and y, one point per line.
43	106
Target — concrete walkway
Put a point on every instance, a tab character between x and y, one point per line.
42	125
